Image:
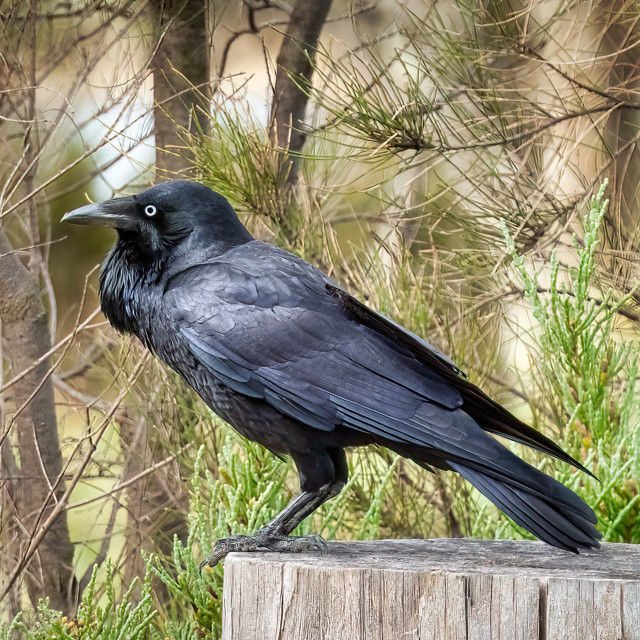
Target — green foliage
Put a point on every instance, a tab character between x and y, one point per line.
244	495
108	618
11	631
248	490
585	373
238	160
364	101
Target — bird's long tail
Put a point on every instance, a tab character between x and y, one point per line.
534	500
537	502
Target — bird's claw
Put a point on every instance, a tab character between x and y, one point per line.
267	541
298	544
229	545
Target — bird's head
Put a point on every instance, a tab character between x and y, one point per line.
154	222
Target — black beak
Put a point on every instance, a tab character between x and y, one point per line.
119	213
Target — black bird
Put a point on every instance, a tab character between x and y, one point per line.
294	362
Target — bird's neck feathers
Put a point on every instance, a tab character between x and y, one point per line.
128	273
218	238
123	281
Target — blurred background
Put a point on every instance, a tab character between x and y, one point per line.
470	168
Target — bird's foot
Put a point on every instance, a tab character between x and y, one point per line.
264	539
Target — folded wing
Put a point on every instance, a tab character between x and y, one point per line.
276	329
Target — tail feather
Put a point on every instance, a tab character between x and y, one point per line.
566	529
536	501
528	480
491	416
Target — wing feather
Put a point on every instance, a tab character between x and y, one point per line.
272	327
284	333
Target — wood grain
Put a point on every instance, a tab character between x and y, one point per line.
434	590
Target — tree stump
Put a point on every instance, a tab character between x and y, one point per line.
434	589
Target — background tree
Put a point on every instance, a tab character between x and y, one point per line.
181	78
443	155
37	103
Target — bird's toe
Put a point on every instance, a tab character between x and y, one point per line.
319	543
299	544
225	546
283	544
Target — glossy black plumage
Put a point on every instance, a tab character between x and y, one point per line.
294	362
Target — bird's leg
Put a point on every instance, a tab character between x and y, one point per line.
274	536
300	507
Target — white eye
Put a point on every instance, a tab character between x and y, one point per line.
150	210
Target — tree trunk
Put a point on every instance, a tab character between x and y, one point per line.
33	417
181	75
294	61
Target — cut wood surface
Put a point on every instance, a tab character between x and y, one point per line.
434	589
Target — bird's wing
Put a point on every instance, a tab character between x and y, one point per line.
271	326
492	416
275	329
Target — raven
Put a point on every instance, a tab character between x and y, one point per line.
294	362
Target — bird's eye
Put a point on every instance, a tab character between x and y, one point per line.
150	210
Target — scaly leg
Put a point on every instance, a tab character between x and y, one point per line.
275	536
